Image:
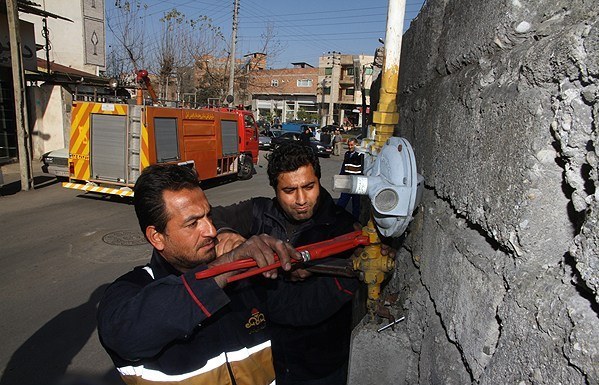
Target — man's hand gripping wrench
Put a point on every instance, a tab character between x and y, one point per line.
310	252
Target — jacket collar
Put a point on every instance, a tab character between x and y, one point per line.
160	267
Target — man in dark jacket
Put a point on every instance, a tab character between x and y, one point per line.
353	164
325	137
160	324
305	136
301	213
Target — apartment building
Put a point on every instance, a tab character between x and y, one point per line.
284	94
343	90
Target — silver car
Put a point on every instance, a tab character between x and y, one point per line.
56	162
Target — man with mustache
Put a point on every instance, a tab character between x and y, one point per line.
159	324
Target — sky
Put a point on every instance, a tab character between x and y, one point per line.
304	29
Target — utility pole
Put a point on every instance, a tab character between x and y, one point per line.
365	121
334	93
18	80
232	57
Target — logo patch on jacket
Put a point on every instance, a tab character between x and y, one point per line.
256	322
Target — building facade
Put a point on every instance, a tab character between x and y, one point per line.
281	95
79	44
343	90
70	34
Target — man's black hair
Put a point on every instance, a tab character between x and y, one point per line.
289	157
149	188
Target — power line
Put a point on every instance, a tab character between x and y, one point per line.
336	11
253	15
328	18
291	29
328	34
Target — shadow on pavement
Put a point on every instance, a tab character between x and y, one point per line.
39	182
107	197
46	355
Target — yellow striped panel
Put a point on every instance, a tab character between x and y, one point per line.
98	189
79	146
144	151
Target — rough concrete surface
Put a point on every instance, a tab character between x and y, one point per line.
498	276
384	365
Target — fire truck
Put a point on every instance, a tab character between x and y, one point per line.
111	143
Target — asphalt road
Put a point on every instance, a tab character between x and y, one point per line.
59	249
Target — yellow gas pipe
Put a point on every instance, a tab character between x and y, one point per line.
371	262
373	265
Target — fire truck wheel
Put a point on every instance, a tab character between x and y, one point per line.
246	168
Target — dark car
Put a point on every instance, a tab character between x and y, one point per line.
265	138
330	128
319	148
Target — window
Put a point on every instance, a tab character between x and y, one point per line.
368	71
248	121
367	92
274	83
328	71
167	144
327	90
350	71
304	82
349	91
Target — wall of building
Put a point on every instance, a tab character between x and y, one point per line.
335	84
72	43
498	275
283	91
50	118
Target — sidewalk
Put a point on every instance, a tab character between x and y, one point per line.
10	177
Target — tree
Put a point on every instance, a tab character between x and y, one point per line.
182	43
125	56
271	47
306	116
190	56
213	71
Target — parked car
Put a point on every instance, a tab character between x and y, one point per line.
56	162
266	137
319	148
298	126
330	128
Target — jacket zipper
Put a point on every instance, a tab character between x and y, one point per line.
233	382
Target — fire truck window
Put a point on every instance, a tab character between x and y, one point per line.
167	143
250	124
249	121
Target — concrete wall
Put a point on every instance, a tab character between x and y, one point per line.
50	118
498	276
68	39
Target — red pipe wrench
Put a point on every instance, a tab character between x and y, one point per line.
310	252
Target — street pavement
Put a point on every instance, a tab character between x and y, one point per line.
59	249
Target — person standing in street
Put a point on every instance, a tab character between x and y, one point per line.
353	164
305	136
337	143
325	137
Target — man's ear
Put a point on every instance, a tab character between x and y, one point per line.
155	238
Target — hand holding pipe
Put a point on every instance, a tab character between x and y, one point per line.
310	252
